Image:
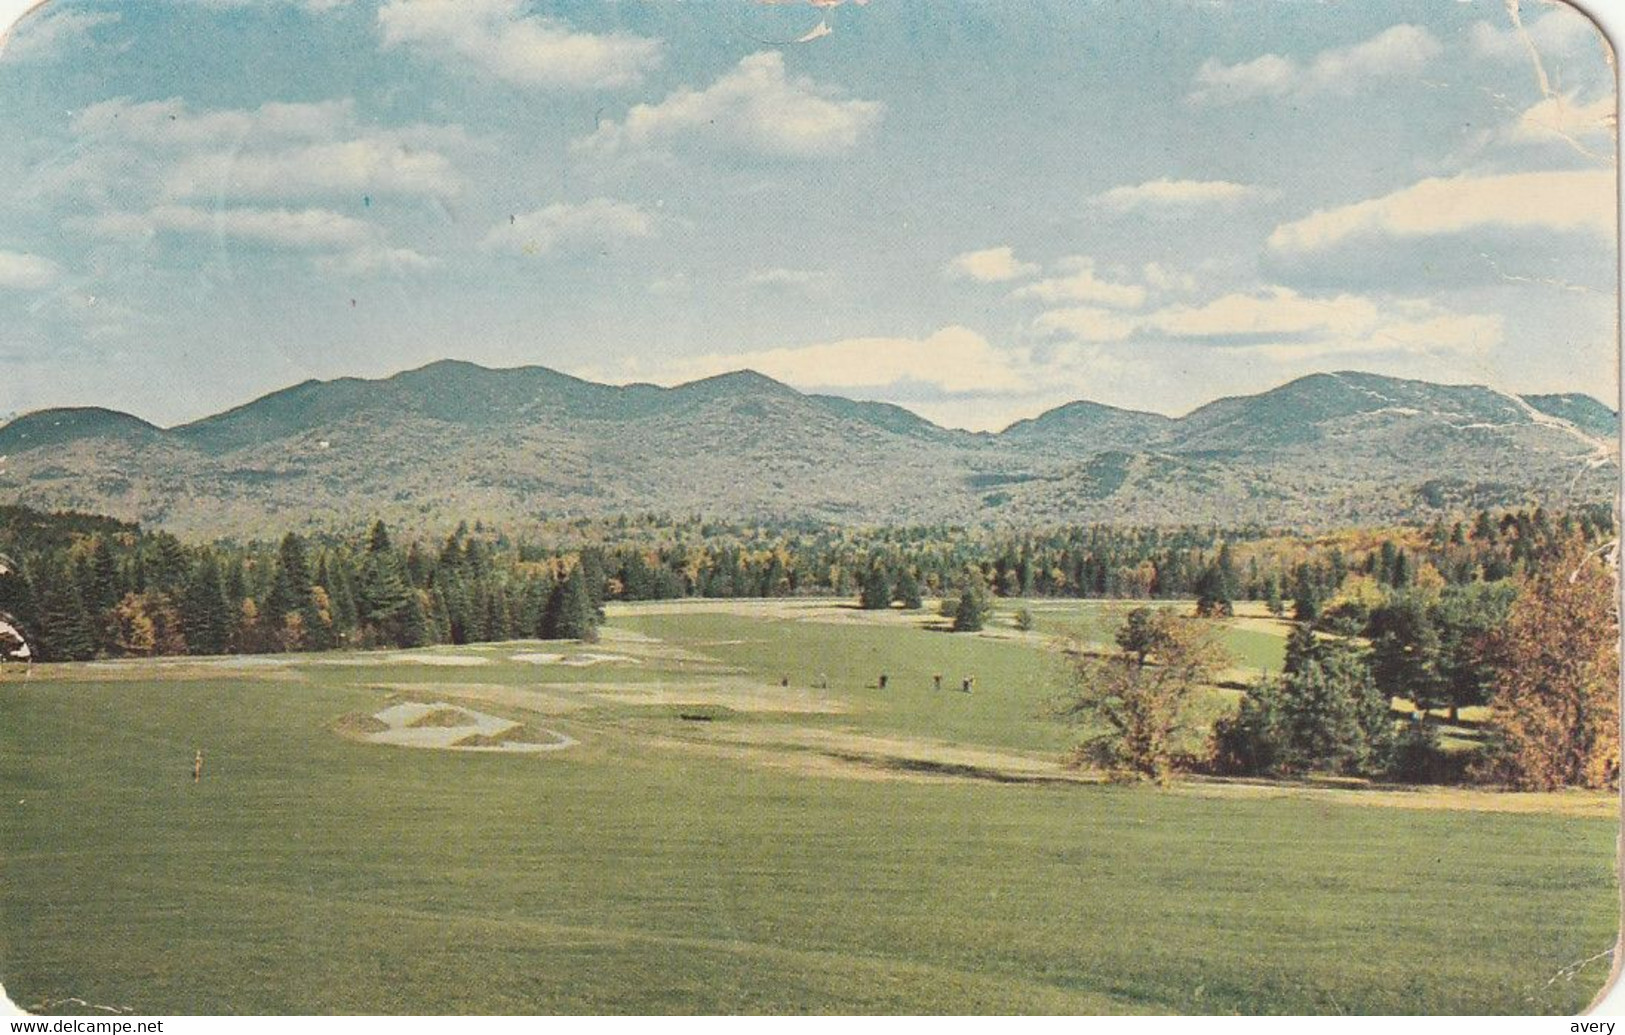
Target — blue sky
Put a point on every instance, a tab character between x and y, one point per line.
978	210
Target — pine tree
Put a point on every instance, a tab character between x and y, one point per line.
290	587
205	613
169	569
570	613
593	579
65	632
1324	714
875	594
1406	651
415	625
975	606
382	598
1213	598
907	591
102	588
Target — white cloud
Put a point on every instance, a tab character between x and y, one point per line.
1564	116
52	33
1087	323
170	123
166	150
756	106
313	228
1268	76
377	164
497	36
1561	31
23	271
953	359
1164	278
1276	312
990	265
1279	323
266	175
1400	51
1083	286
1447	334
375	258
1175	195
595	222
334	242
1569	201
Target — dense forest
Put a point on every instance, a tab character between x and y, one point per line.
79	586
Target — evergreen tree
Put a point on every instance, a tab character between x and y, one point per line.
102	587
65	631
907	591
1225	567
875	594
1406	651
169	569
570	612
1466	618
1272	596
593	579
1213	598
975	606
415	625
1324	714
382	599
205	612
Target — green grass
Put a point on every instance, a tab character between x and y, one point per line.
309	873
1094	622
1015	684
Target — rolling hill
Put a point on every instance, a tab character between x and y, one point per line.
455	440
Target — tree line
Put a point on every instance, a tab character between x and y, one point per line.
80	587
1539	650
85	586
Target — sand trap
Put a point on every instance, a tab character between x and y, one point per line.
438	660
448	660
455	728
583	660
573	660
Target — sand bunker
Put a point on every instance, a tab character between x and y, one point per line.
574	660
455	728
440	660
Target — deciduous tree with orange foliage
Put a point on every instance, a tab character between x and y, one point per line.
1556	660
1140	702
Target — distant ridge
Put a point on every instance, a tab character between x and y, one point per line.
456	439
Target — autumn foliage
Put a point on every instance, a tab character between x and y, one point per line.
1556	659
1141	700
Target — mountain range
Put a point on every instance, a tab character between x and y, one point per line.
454	440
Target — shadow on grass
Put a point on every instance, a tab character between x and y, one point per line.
961	770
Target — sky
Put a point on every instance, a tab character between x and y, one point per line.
978	210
